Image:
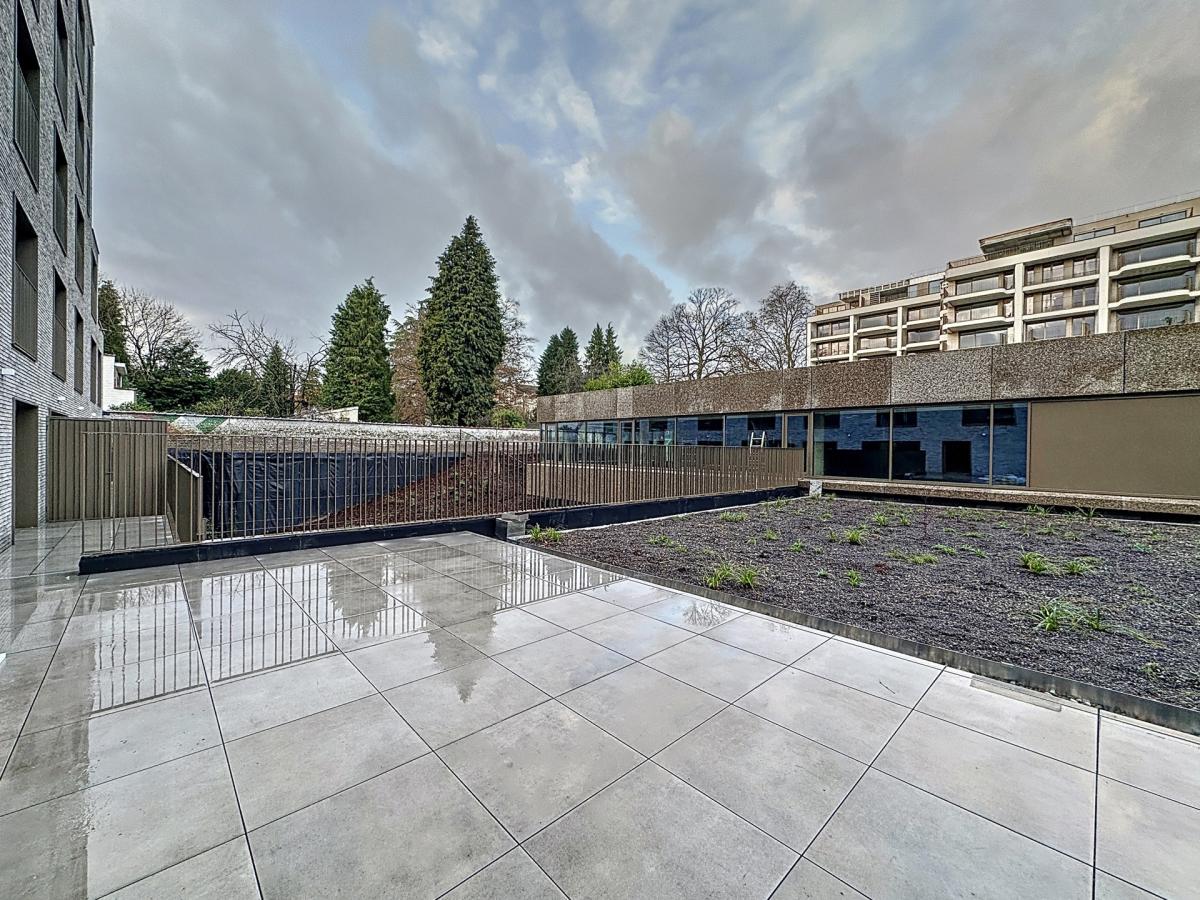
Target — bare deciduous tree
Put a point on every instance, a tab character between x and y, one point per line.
699	338
776	334
411	406
152	326
245	343
514	375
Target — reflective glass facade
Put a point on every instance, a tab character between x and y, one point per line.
972	443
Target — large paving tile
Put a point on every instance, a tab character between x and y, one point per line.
1147	840
115	648
560	663
17	636
1150	759
279	770
531	768
129	598
512	875
849	721
720	669
785	784
1040	797
630	594
573	611
38	608
808	881
891	840
693	613
222	873
446	707
1036	721
484	575
885	675
1109	887
20	676
652	835
97	840
398	662
414	829
76	688
505	630
768	637
644	708
57	761
523	590
271	698
634	635
264	652
363	550
336	605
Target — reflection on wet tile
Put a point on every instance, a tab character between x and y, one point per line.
447	603
76	688
118	646
527	589
504	630
20	675
18	636
390	568
354	551
345	605
375	627
238	626
400	661
690	612
128	598
265	651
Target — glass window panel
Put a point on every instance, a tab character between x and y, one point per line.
738	430
850	443
568	432
656	431
708	431
797	433
626	432
1010	440
941	443
975	339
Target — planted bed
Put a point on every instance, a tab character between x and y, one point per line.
1111	602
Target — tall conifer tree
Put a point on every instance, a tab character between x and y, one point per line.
357	372
595	357
278	398
462	332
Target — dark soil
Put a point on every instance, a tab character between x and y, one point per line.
1130	620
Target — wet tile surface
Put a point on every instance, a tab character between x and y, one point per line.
394	718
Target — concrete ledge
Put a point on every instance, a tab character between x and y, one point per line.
1154	711
1151	507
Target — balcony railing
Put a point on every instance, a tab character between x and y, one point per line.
837	348
1068	299
28	126
881	342
976	285
927	336
989	311
1180	314
881	321
25	312
831	329
1129	289
1061	271
1155	251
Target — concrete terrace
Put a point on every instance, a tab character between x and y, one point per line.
460	717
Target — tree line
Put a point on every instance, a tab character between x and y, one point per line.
707	334
461	356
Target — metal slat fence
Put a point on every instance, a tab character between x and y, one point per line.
161	489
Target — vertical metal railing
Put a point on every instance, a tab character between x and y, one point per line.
28	125
139	488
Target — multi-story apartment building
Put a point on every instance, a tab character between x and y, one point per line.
50	338
1135	269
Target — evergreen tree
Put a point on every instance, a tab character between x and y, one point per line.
177	381
356	369
235	392
462	335
112	321
278	398
595	357
568	373
611	350
548	367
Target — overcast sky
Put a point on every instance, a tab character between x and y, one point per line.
267	155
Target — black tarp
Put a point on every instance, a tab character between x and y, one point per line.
248	492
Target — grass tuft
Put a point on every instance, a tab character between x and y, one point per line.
729	516
541	535
1037	564
854	578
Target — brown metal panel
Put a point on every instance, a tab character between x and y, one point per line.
1143	446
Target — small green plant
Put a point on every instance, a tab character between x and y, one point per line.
1081	566
747	576
902	518
1143	548
1087	513
1037	563
855	535
541	535
1035	510
1051	615
825	516
732	516
922	559
833	537
721	574
854	578
975	551
777	503
972	534
797	547
658	540
895	554
1047	529
945	548
1151	669
881	519
770	535
821	573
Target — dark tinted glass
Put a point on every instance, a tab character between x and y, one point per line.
850	443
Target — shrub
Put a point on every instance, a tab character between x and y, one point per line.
719	575
541	535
